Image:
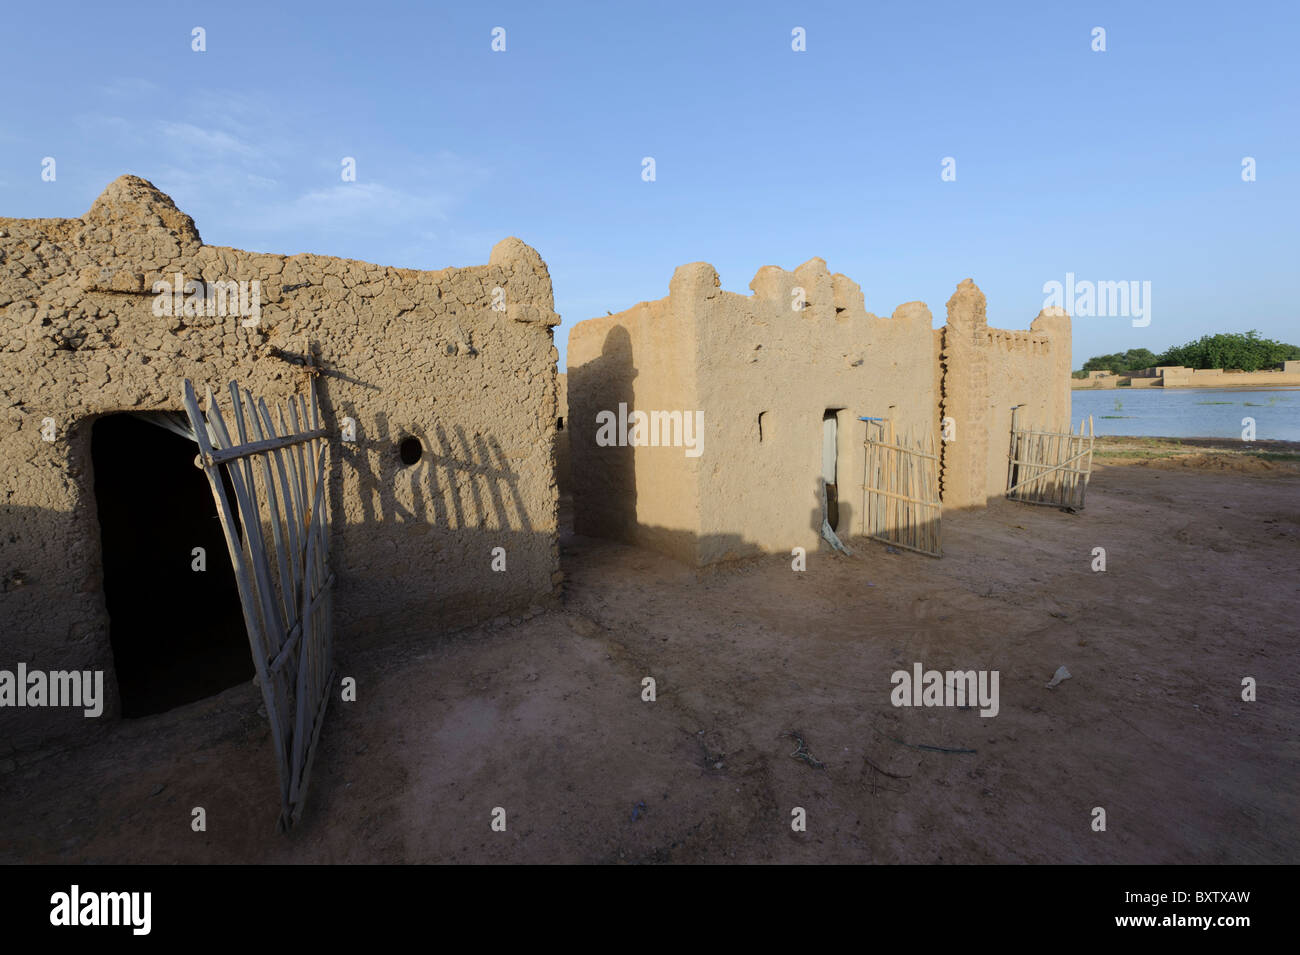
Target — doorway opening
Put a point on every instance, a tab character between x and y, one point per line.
175	621
830	465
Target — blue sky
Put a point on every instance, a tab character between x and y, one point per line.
1116	166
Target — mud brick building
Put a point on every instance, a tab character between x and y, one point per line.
780	379
438	389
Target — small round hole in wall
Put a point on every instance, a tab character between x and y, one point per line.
410	450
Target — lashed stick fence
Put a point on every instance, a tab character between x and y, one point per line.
277	472
1049	467
900	496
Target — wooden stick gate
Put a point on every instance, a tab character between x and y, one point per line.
900	489
284	582
1049	467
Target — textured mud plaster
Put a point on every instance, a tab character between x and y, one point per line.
984	373
750	364
405	353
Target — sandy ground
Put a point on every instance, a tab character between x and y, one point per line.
544	716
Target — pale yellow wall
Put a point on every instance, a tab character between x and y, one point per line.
734	357
1095	384
1218	378
643	357
987	371
563	474
756	354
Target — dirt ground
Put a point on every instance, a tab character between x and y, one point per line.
544	717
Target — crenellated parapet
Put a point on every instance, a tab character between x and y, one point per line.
984	373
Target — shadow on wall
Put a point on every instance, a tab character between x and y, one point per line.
438	500
609	507
126	591
458	461
34	549
563	477
449	461
96	641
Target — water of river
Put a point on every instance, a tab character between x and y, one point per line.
1190	412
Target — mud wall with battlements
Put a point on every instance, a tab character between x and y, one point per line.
763	371
406	354
985	372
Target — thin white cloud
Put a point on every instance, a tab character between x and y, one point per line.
253	178
129	88
214	142
368	203
103	124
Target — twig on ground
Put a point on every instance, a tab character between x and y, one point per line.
802	752
928	748
884	772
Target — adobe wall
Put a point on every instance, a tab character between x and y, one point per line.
1177	376
1094	384
1096	381
643	358
757	355
1180	377
563	479
404	353
735	358
987	371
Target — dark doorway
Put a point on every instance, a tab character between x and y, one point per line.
830	465
177	633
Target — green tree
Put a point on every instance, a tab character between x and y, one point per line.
1131	360
1138	358
1102	363
1232	350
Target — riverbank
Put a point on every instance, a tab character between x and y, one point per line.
1218	454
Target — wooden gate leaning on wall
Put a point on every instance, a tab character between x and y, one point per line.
281	563
1049	467
900	489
